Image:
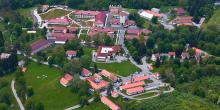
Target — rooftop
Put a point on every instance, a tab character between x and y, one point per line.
109	103
131	85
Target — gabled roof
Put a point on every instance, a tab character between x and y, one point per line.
97	85
83	12
135	89
85	71
104	51
59	20
109	75
66	79
172	53
131	85
138	78
39	44
96	30
71	52
109	103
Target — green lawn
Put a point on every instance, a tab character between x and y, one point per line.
214	22
56	13
146	95
48	90
124	69
94	106
1	26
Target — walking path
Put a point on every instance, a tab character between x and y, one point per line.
21	106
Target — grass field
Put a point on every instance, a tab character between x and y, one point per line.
124	69
56	13
1	26
213	22
146	95
48	90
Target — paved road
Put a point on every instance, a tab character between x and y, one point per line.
21	106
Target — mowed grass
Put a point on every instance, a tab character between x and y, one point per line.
56	13
213	21
48	90
123	69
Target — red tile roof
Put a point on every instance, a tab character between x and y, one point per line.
109	75
131	85
42	43
115	21
130	23
66	79
94	31
83	12
71	52
138	78
135	33
85	71
115	49
109	103
100	18
183	20
153	13
97	85
172	53
135	89
59	20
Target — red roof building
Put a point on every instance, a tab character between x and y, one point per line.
109	75
183	21
86	73
66	79
97	15
154	13
40	45
59	21
114	94
135	90
71	53
137	79
95	31
109	103
105	53
130	23
135	33
132	85
64	30
61	38
96	82
172	54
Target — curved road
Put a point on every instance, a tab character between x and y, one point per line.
21	106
